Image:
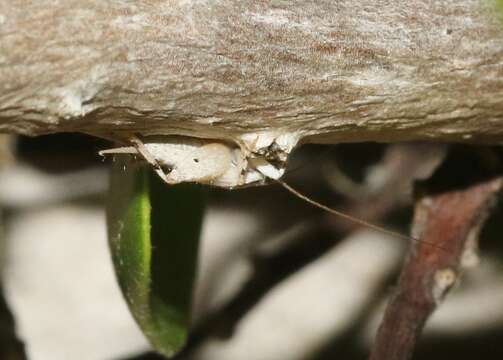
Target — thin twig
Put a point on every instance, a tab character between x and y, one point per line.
451	220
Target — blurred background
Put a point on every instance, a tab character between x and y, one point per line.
278	278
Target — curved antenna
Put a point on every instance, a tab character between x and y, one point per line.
354	219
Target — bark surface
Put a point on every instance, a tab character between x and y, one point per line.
254	71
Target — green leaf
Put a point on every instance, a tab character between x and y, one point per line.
154	232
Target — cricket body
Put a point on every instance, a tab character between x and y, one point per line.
178	159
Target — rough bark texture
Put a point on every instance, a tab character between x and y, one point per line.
319	71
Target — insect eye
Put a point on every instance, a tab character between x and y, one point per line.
196	160
166	168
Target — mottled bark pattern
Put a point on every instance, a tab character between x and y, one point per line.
324	71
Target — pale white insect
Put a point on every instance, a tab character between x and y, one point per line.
181	159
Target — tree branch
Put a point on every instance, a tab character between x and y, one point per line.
252	71
449	221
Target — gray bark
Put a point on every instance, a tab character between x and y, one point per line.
248	71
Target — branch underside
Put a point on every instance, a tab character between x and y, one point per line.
246	72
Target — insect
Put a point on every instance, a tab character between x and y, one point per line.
177	160
181	159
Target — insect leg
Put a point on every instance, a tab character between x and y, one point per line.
143	151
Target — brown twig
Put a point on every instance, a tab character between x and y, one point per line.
451	220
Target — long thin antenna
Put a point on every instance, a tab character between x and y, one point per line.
353	219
